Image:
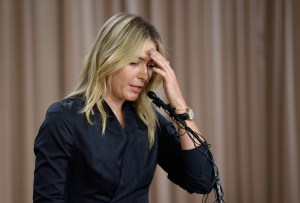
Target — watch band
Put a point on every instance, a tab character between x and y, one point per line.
188	115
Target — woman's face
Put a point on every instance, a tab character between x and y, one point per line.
129	81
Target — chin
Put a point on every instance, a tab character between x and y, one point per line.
132	98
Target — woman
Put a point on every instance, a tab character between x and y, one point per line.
102	143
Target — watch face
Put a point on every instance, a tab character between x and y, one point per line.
190	114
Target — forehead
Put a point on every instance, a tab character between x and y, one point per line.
149	44
143	52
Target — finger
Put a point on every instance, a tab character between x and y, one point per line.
160	72
159	59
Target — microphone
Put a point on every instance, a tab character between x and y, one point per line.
170	110
152	95
156	100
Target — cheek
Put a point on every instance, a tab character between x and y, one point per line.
116	82
150	73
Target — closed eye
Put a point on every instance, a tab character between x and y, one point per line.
134	63
151	65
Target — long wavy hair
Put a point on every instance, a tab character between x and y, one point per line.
118	42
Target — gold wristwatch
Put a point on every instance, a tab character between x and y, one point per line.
188	115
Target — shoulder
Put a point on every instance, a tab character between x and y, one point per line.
61	118
65	110
70	104
56	132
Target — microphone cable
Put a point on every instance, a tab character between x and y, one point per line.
170	110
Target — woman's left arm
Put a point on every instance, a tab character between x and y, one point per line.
189	165
173	93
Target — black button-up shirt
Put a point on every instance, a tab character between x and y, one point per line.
75	162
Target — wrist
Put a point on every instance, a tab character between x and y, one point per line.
180	107
181	110
187	114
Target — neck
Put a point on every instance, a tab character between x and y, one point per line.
116	106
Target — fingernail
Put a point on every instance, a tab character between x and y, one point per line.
152	51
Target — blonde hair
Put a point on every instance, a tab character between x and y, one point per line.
117	44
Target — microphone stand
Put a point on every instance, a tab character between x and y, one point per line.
170	110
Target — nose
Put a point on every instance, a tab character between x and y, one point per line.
143	73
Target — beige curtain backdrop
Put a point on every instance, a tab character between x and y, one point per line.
237	62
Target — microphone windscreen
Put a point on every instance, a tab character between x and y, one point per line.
151	95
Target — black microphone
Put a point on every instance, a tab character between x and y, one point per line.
156	100
152	95
170	110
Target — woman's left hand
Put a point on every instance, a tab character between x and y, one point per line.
170	83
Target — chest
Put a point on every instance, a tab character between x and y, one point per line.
115	160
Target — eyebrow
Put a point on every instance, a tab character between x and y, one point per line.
144	59
141	58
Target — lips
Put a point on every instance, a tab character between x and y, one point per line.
136	88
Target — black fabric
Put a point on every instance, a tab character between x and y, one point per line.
76	163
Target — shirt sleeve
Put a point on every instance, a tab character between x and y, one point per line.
53	151
190	169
